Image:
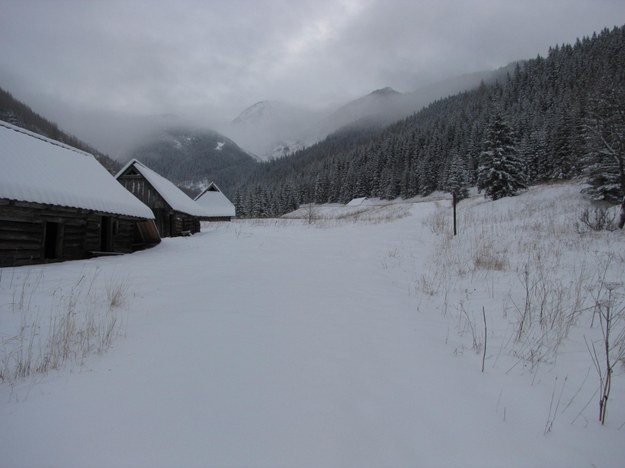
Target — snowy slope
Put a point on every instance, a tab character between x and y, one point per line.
271	128
349	342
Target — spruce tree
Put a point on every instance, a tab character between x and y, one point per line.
501	171
605	162
458	178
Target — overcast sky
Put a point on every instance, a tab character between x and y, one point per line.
220	56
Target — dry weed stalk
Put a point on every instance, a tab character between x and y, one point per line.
73	325
607	351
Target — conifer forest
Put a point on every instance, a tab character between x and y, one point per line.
558	117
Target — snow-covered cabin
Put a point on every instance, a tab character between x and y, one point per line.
176	214
59	203
357	201
216	203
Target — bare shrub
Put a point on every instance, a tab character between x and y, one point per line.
311	213
598	219
608	350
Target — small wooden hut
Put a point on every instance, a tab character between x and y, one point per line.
59	203
216	203
175	213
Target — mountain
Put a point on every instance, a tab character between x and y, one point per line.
565	111
269	129
193	158
385	106
17	113
377	109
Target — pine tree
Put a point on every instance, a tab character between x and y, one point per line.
605	163
321	190
501	172
563	157
547	101
238	204
458	178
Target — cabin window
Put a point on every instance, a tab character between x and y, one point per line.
51	240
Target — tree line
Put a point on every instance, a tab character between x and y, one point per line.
554	118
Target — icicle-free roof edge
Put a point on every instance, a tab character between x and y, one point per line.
37	169
175	197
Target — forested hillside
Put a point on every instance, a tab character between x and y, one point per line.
193	158
19	114
565	114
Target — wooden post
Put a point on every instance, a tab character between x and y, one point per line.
454	202
485	337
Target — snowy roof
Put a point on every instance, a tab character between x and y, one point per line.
40	170
356	201
174	197
213	200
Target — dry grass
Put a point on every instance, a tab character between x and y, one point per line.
117	291
72	323
336	215
531	263
438	221
487	257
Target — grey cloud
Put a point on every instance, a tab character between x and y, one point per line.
217	57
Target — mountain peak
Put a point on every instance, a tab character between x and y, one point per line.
259	111
388	91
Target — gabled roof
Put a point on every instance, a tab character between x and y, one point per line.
174	197
213	200
357	201
36	169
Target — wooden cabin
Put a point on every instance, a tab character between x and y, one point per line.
216	203
59	203
175	213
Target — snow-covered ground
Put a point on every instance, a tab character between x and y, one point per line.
355	340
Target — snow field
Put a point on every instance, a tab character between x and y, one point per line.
336	343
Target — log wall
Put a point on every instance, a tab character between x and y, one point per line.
170	223
32	233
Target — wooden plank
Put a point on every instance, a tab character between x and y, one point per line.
21	252
20	236
18	225
19	245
